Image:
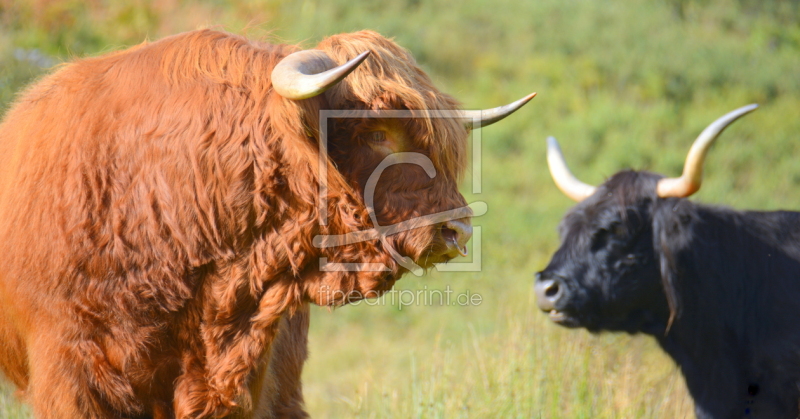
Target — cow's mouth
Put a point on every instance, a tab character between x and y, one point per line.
430	258
443	247
563	319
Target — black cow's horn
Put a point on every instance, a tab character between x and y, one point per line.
564	179
490	116
692	176
308	73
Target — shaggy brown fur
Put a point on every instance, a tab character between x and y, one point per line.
157	211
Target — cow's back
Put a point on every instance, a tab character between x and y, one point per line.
121	178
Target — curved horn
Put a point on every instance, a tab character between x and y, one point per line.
308	73
692	176
564	179
490	116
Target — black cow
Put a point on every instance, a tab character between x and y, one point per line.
718	288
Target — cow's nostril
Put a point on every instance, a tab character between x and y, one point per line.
456	234
549	291
462	230
449	235
552	290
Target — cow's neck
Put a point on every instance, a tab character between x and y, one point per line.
719	286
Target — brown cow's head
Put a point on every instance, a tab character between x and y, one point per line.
403	165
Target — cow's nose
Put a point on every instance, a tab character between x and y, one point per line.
456	234
548	290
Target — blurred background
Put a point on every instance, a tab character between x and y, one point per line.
625	84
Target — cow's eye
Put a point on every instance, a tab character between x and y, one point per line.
614	232
599	239
376	137
617	229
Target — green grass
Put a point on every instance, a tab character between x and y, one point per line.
499	359
621	84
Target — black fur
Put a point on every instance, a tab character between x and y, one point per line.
719	289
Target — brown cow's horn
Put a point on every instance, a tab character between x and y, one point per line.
308	73
692	177
490	116
569	184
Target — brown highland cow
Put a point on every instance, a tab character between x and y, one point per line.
158	209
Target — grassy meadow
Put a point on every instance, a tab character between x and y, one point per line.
624	84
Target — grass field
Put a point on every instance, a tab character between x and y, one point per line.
621	84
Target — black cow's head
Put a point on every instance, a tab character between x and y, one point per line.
615	267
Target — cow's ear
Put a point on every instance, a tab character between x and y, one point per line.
672	224
295	119
310	111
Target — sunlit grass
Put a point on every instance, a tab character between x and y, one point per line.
500	360
10	407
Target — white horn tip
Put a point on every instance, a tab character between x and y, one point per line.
563	178
750	107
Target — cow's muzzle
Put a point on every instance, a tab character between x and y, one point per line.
549	291
456	234
552	296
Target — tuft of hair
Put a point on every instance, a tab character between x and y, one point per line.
629	190
391	79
